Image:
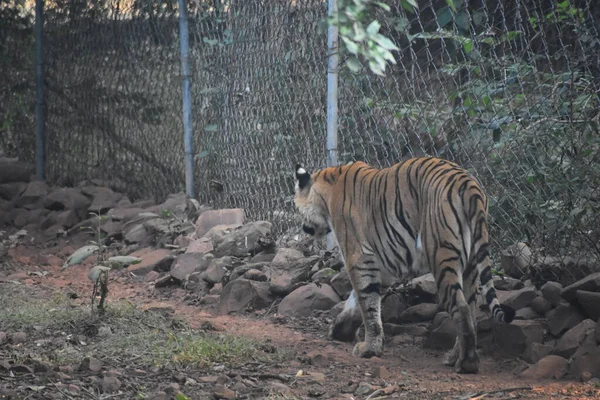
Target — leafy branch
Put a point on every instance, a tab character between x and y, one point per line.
360	35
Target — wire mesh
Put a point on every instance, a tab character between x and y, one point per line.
507	89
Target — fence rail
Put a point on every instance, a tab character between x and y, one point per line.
507	89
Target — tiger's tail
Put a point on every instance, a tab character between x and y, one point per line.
480	261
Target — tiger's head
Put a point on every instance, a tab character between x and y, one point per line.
312	204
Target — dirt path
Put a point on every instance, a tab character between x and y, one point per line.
412	371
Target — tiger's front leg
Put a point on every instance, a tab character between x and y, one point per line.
366	281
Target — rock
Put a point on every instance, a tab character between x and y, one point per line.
164	281
563	318
137	234
18	338
381	372
3	338
12	170
551	292
590	283
323	276
507	283
513	339
302	301
9	191
159	260
443	333
241	294
364	389
411	330
536	351
214	273
540	305
255	275
277	388
526	313
567	270
318	360
33	193
6	205
24	218
242	269
590	302
67	219
245	240
186	264
210	299
264	256
67	199
103	200
211	218
151	276
223	393
520	298
217	289
201	246
285	257
586	366
391	308
588	344
124	214
285	277
419	313
110	384
90	364
423	288
570	341
516	259
341	284
549	367
597	332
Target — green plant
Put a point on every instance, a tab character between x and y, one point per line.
359	31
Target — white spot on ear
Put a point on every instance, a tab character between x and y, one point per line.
350	302
301	171
419	244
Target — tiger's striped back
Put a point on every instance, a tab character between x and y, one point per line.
422	215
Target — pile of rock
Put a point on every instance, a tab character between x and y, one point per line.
218	258
35	208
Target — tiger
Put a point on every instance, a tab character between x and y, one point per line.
424	214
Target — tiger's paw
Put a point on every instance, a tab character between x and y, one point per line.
367	350
468	365
451	357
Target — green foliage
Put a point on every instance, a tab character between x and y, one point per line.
532	131
360	35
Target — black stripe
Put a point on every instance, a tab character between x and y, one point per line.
490	295
442	275
372	288
486	275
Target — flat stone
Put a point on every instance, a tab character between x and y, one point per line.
549	367
590	302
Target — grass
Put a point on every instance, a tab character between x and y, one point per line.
125	335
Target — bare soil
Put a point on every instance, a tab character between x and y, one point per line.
282	362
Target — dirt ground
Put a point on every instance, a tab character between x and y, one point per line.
276	358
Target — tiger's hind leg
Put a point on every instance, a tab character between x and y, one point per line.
366	281
346	324
464	355
470	291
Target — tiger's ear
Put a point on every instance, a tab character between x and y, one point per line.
302	176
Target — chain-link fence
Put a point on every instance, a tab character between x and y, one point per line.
508	89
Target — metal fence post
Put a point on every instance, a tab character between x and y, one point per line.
332	97
40	140
187	98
